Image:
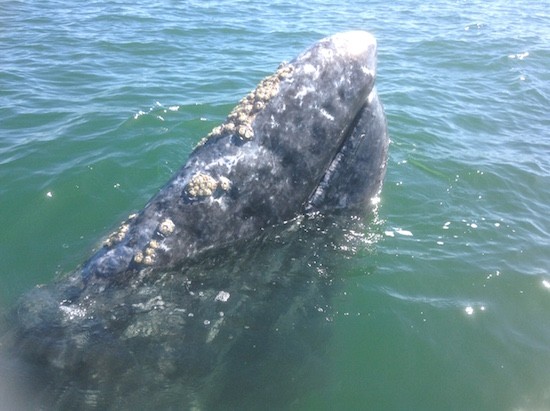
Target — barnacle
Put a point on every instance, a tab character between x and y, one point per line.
148	255
201	185
245	132
117	236
138	258
224	183
241	117
166	227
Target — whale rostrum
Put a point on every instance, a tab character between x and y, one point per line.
312	136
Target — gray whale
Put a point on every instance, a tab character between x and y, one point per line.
183	289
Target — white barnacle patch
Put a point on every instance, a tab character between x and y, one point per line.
217	130
149	254
117	236
204	185
224	183
239	121
138	258
201	185
284	70
229	128
166	227
154	244
222	296
122	231
259	105
245	131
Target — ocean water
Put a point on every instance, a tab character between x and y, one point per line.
446	303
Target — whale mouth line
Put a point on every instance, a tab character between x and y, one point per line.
356	140
339	152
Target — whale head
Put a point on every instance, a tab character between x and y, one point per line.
311	137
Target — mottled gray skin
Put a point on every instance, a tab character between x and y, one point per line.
319	143
224	276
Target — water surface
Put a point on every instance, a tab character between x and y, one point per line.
101	102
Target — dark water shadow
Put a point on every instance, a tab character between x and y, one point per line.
246	327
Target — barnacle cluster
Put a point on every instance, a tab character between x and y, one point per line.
239	121
148	255
201	185
166	227
204	185
118	235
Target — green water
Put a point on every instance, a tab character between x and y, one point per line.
101	102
